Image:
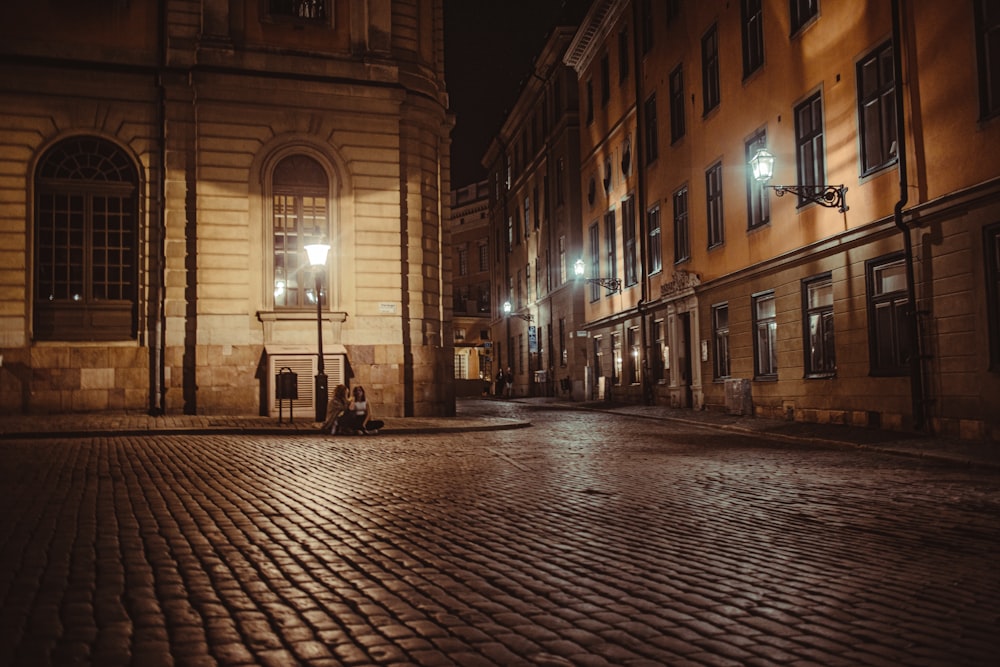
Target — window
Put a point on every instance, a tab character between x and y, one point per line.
758	205
461	364
538	278
720	340
560	177
520	292
646	23
563	350
605	80
817	307
988	51
484	258
765	342
710	69
802	11
623	54
810	151
463	262
634	343
888	329
991	244
713	189
527	217
598	359
563	269
652	141
483	298
877	110
661	358
85	243
628	239
673	10
298	217
510	232
313	10
677	128
753	36
520	353
682	243
590	101
655	240
610	246
616	358
595	260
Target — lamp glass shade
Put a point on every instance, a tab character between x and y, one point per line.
762	165
317	253
506	307
578	267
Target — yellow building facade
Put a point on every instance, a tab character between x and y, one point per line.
863	293
165	164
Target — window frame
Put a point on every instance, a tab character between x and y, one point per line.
682	232
654	224
677	107
988	60
720	341
630	247
77	202
879	96
758	200
751	19
713	203
650	131
634	343
768	344
801	13
810	144
827	368
595	259
611	246
898	302
710	70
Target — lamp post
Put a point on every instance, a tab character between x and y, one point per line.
610	284
830	196
508	311
317	253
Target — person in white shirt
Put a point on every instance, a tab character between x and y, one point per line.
360	414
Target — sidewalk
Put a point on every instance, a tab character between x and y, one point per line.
967	452
973	453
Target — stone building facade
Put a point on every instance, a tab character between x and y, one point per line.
163	166
865	293
533	166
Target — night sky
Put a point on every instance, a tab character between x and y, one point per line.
489	49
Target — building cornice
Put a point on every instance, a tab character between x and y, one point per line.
591	34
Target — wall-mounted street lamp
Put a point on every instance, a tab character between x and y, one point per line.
830	196
508	311
317	253
610	284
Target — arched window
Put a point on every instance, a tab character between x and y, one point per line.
299	217
85	242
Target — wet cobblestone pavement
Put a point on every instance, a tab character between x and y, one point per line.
587	539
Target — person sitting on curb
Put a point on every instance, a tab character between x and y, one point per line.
336	410
359	415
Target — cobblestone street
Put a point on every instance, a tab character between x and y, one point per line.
586	539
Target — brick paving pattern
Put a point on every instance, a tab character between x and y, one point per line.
588	539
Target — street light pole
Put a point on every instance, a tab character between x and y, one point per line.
317	260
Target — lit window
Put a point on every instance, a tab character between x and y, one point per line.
765	341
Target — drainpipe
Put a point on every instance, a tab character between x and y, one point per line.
157	292
916	379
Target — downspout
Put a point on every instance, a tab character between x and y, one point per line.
640	207
916	378
157	292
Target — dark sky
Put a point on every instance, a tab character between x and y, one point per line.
489	49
